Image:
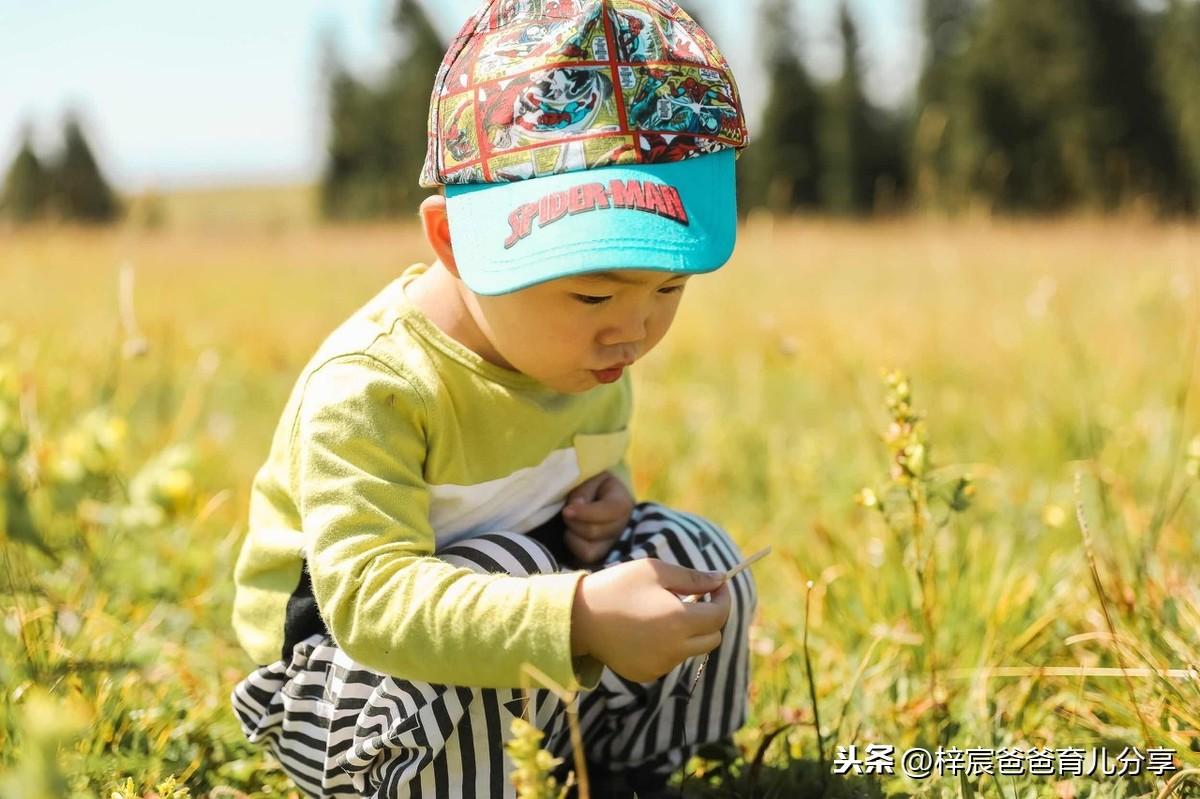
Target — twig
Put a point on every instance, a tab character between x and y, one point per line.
691	599
733	572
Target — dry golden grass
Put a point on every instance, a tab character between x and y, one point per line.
1036	349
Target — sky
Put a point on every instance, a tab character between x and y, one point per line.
226	92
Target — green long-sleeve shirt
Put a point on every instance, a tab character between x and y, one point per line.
398	440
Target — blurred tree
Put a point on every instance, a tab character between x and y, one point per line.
377	136
845	134
80	191
1179	53
782	170
27	185
1140	148
1064	110
942	140
406	97
345	181
889	159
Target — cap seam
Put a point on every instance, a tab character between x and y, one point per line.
435	148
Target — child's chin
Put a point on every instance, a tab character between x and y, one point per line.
573	384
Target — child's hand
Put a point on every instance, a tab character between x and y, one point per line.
630	616
596	514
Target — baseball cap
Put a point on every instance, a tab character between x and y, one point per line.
576	136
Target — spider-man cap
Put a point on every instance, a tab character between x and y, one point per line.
577	136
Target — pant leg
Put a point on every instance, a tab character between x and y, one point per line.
655	727
340	729
287	706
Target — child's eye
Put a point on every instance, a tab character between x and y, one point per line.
670	289
589	299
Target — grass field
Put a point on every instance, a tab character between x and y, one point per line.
130	429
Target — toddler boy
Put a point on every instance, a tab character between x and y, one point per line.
446	498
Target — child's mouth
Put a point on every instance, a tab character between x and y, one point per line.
609	375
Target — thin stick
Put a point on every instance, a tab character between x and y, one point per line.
693	598
748	562
734	572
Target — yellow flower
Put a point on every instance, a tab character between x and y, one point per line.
532	764
177	487
1054	516
866	498
1192	465
914	458
112	433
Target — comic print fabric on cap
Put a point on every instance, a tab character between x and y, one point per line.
539	87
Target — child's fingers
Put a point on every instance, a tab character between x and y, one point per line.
612	486
601	511
586	491
706	617
700	598
703	644
735	571
588	551
594	532
684	581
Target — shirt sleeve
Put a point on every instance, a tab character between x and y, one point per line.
359	441
621	470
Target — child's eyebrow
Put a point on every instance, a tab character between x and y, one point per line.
618	277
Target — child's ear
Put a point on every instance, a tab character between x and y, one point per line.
436	225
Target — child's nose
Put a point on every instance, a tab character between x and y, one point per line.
631	330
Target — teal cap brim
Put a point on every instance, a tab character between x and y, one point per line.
678	217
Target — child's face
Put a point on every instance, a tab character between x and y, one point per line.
574	333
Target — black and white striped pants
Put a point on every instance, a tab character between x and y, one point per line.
341	730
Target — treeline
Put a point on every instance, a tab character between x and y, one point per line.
377	133
821	147
66	186
1059	104
1021	108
